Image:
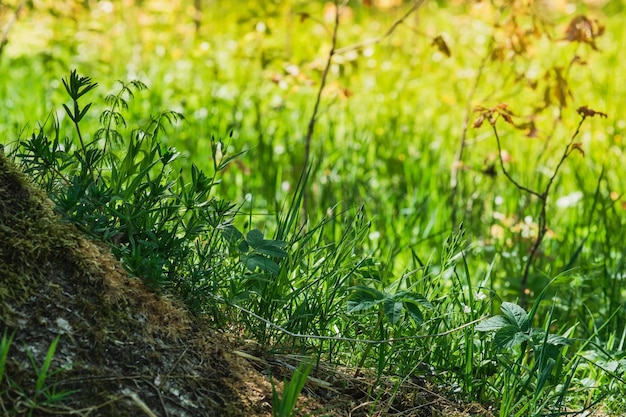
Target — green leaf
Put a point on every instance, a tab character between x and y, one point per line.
546	352
252	262
546	372
69	113
492	323
83	112
364	298
414	298
509	337
516	315
558	340
231	234
243	246
255	238
393	309
414	312
275	243
271	251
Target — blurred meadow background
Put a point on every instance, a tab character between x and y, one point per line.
406	193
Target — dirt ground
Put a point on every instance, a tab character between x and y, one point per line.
125	351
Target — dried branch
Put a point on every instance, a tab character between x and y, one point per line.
416	5
458	157
318	99
542	221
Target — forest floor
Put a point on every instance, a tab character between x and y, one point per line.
125	351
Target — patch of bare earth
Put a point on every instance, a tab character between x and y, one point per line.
125	351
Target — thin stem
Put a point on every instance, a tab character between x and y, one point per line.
458	157
84	149
566	153
318	99
542	221
416	5
506	173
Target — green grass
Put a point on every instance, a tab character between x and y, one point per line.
381	226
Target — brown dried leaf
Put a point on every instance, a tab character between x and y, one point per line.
440	43
504	112
587	112
584	30
578	147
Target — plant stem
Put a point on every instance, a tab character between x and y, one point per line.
318	99
542	221
458	157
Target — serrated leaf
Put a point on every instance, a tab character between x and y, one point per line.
363	298
509	337
252	262
255	238
492	323
415	313
516	315
414	298
231	234
393	309
271	251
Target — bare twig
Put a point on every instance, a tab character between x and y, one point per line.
542	221
337	51
458	157
318	99
505	172
416	5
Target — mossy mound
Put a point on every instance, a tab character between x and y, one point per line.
124	350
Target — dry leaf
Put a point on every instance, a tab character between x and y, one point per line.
587	112
442	46
578	147
584	30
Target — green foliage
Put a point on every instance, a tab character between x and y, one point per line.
5	346
285	406
534	359
394	306
123	188
254	250
43	396
395	168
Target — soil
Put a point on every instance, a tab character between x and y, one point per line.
126	351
